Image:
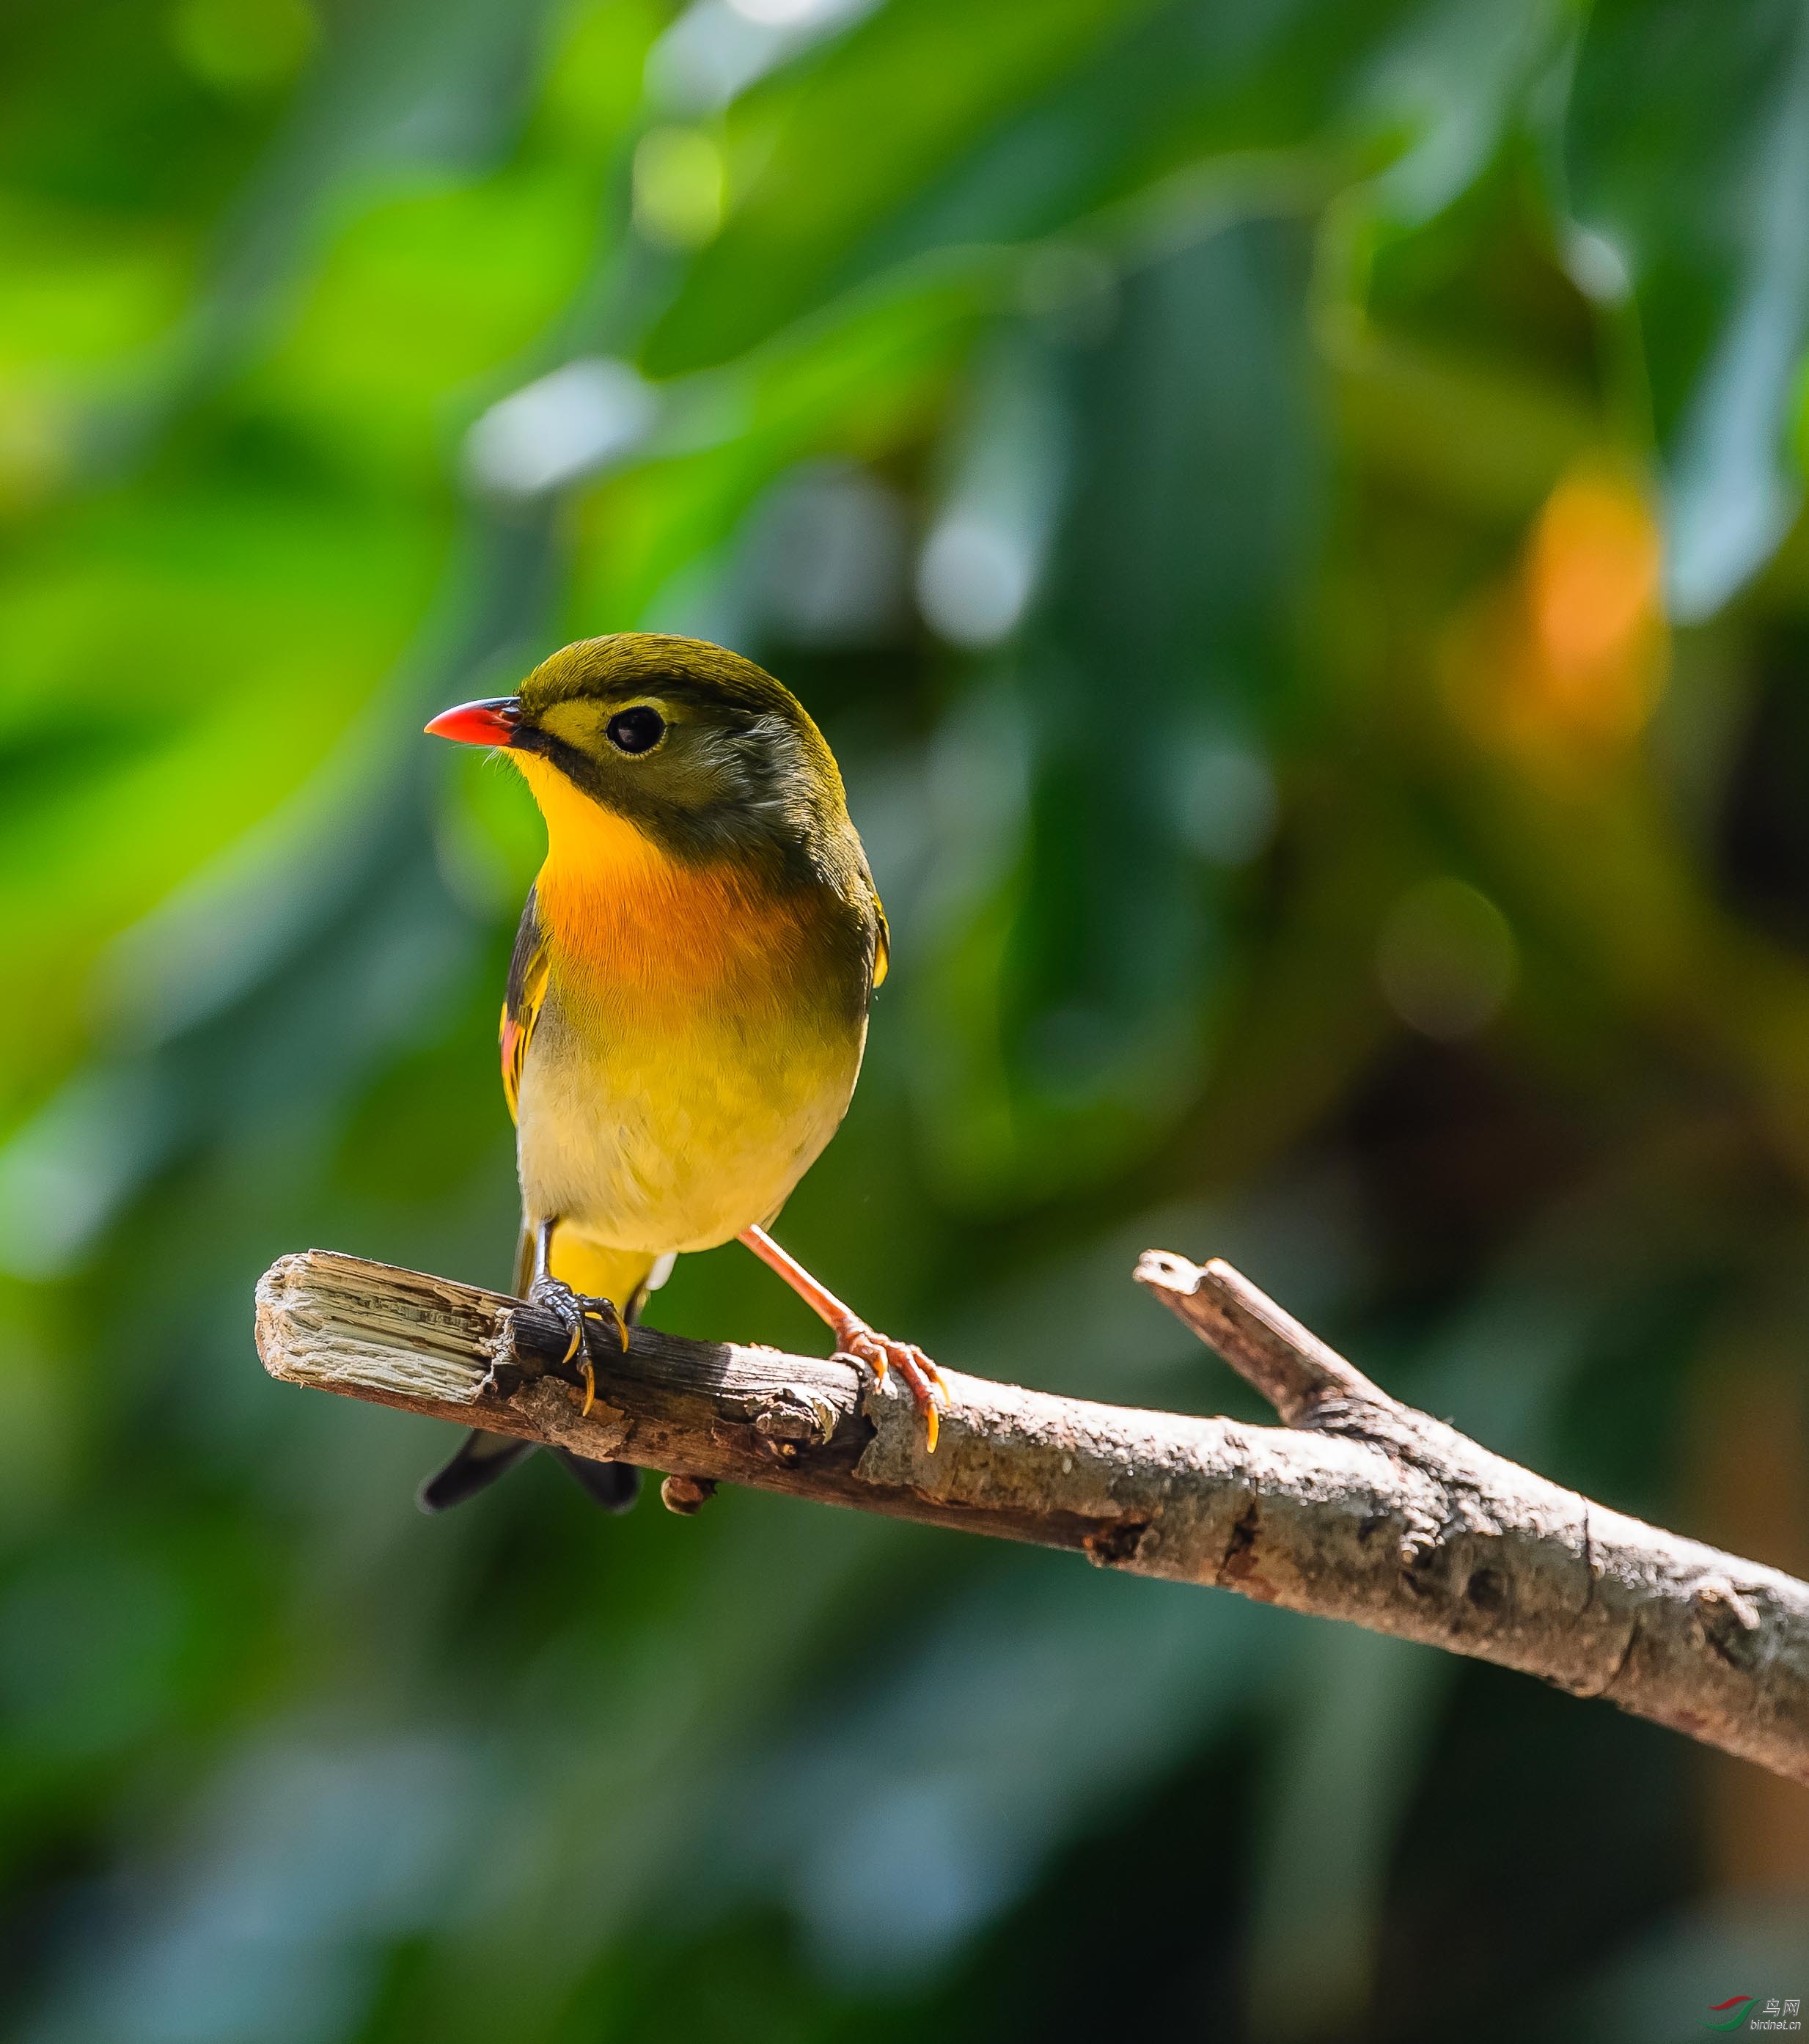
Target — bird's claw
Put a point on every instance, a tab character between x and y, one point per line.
585	1320
858	1343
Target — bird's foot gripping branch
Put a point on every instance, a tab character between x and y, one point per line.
1358	1507
543	1337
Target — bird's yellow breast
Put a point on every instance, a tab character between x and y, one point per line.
697	1041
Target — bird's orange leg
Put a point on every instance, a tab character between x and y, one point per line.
853	1337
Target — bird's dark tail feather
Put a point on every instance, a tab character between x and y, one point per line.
481	1459
614	1485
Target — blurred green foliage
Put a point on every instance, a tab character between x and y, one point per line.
1289	517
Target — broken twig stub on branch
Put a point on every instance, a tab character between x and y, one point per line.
1359	1509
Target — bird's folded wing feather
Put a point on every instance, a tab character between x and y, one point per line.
881	929
528	971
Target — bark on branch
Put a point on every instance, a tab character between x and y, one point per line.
1359	1509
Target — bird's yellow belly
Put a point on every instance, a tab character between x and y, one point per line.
671	1124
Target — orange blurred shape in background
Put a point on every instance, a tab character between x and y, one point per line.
1575	649
1592	596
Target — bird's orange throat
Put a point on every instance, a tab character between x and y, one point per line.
618	911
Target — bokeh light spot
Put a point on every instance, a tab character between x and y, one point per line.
973	580
1224	802
243	45
1446	959
679	187
567	423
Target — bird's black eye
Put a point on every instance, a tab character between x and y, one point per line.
636	730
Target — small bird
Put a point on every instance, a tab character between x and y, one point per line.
686	1004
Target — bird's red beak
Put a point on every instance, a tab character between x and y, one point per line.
491	721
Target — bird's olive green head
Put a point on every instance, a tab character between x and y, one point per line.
700	749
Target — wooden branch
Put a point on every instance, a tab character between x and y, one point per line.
1361	1508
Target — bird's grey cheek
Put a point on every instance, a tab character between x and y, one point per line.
723	776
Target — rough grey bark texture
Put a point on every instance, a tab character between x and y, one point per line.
1359	1509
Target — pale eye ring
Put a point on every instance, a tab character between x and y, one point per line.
638	729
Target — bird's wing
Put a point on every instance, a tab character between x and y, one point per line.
484	1456
882	943
528	971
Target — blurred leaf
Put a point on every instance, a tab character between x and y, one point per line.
1064	1028
861	130
260	620
1687	151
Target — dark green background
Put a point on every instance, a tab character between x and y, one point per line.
1316	848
